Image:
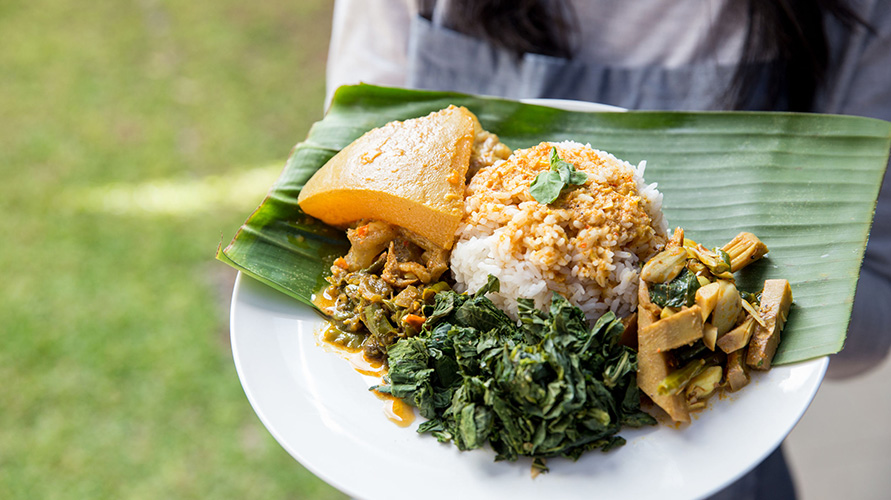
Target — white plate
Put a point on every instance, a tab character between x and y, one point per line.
320	410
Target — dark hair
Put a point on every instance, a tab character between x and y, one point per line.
538	26
792	31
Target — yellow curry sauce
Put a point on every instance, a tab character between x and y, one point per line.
394	408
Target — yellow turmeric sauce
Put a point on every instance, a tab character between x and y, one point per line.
394	408
324	300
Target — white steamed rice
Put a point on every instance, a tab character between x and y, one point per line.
587	246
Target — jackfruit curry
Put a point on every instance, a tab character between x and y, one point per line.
697	332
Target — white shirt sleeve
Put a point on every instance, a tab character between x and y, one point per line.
369	42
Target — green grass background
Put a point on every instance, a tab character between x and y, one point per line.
134	135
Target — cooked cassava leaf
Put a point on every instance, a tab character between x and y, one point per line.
548	387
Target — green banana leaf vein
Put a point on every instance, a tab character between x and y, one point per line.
806	184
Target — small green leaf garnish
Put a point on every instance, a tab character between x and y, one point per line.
547	186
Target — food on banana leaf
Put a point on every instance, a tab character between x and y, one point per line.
410	174
587	244
376	292
556	220
776	298
391	294
400	189
653	364
698	332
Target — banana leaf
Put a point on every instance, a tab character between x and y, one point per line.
806	184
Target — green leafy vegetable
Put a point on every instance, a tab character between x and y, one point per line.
678	292
547	186
548	387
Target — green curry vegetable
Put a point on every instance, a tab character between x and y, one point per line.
679	292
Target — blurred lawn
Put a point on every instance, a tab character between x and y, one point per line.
132	136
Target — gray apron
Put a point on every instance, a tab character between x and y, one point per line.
443	59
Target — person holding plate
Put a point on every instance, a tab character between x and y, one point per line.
831	56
